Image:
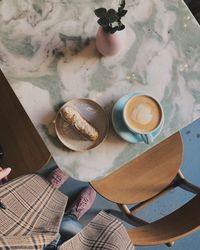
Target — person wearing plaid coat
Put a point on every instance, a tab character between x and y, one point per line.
31	211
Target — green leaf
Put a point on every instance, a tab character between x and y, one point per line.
113	19
103	21
107	29
101	12
112	15
122	13
121	27
112	12
114	29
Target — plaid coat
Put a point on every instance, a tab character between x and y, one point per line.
30	214
104	232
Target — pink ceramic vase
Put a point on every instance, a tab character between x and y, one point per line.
109	44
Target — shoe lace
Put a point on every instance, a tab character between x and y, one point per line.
56	179
81	205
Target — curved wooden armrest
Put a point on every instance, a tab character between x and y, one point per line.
174	226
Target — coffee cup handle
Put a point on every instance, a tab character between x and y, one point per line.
147	138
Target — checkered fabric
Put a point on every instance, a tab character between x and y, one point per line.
30	213
104	232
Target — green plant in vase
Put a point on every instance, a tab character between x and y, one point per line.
110	21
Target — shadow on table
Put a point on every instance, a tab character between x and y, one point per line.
76	46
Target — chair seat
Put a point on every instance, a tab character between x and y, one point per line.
174	226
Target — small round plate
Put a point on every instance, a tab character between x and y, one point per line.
120	126
93	113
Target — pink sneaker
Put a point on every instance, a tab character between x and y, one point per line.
57	178
83	202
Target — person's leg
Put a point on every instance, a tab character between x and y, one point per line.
53	245
70	225
57	177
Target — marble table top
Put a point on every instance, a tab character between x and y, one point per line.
47	52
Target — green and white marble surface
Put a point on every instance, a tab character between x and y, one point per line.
47	52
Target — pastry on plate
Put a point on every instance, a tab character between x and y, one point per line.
74	118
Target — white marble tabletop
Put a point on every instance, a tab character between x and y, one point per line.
47	52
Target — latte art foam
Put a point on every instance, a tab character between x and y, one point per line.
142	114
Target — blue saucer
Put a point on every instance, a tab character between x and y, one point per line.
120	126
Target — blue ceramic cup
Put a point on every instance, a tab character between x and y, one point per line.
124	128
